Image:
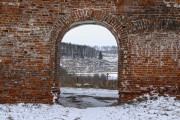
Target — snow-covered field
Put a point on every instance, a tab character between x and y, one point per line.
90	65
111	75
164	108
110	57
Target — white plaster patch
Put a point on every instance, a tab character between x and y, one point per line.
125	61
31	21
124	71
10	3
172	4
10	34
23	29
161	64
47	36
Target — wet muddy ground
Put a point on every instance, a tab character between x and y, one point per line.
85	101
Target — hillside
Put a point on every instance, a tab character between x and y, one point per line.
92	65
86	59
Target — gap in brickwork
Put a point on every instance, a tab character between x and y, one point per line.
88	64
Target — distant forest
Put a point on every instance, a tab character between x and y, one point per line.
74	51
69	50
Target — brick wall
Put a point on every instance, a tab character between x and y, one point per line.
153	64
147	33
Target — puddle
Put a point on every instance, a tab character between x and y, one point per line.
85	101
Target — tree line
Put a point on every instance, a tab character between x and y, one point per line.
74	51
107	49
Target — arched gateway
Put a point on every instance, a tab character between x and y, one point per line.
81	17
31	32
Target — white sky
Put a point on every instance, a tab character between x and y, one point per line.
90	35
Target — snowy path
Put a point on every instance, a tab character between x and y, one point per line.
160	109
84	98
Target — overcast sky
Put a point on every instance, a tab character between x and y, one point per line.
90	35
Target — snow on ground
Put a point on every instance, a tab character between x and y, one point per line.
110	57
111	75
164	108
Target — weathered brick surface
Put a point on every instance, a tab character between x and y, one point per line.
147	33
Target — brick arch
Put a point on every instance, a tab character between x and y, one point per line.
80	17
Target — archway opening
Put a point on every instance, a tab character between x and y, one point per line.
88	67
